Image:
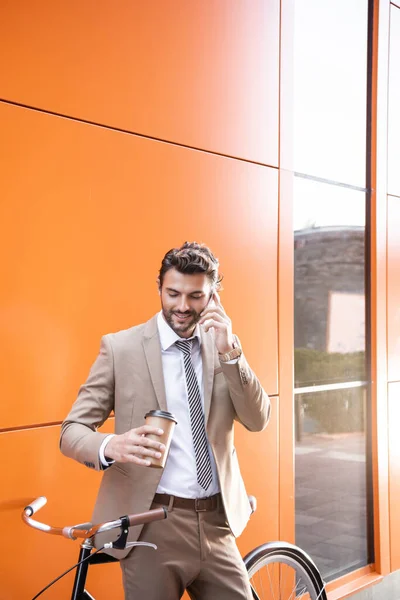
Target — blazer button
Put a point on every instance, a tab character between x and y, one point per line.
89	464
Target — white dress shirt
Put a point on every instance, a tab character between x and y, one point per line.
179	476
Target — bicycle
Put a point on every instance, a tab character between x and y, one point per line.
276	569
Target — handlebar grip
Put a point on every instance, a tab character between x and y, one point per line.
35	505
157	514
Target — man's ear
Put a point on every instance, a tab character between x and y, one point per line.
159	285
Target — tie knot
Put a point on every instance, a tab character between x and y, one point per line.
185	346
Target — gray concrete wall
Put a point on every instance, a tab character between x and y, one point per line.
388	589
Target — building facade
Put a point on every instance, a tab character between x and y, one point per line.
268	129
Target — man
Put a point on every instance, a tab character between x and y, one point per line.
185	360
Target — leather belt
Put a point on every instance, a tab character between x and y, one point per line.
196	504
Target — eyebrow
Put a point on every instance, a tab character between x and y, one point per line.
190	293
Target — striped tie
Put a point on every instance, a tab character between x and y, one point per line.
203	463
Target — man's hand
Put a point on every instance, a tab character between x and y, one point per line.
134	447
215	316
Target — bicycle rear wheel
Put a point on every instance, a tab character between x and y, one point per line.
281	571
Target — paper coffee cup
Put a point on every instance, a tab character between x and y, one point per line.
166	421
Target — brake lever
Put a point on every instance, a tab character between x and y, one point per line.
131	544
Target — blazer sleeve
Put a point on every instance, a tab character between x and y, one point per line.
79	438
251	402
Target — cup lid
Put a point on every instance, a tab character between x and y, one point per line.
163	414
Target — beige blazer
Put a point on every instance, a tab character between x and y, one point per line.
127	377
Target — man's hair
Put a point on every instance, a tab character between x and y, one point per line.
192	258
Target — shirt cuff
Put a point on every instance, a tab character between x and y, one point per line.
103	460
232	362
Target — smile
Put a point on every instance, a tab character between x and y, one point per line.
182	317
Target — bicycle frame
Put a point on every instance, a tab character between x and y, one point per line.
274	553
87	531
78	590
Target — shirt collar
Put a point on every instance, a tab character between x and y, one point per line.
168	337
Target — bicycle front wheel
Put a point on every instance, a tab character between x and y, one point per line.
281	571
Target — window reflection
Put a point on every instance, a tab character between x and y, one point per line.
330	101
331	470
329	265
331	498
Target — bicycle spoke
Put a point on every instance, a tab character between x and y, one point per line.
262	587
293	592
270	584
285	579
321	592
302	591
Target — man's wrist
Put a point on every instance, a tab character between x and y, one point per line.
232	354
104	460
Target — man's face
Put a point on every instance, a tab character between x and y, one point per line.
183	298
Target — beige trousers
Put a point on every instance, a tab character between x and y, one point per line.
196	551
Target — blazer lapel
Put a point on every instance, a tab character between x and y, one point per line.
152	350
207	355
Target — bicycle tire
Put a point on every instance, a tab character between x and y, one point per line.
282	558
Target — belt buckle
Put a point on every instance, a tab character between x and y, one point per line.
197	505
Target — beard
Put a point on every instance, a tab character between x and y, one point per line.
180	328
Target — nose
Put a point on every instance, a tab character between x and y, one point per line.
183	305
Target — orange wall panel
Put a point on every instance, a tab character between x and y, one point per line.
394	104
109	119
378	287
30	559
200	74
393	284
394	473
86	216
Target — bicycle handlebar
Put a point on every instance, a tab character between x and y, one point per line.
36	505
87	530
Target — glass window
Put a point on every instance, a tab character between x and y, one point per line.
330	83
332	486
330	342
331	479
329	271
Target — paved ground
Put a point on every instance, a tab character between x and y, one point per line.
331	501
